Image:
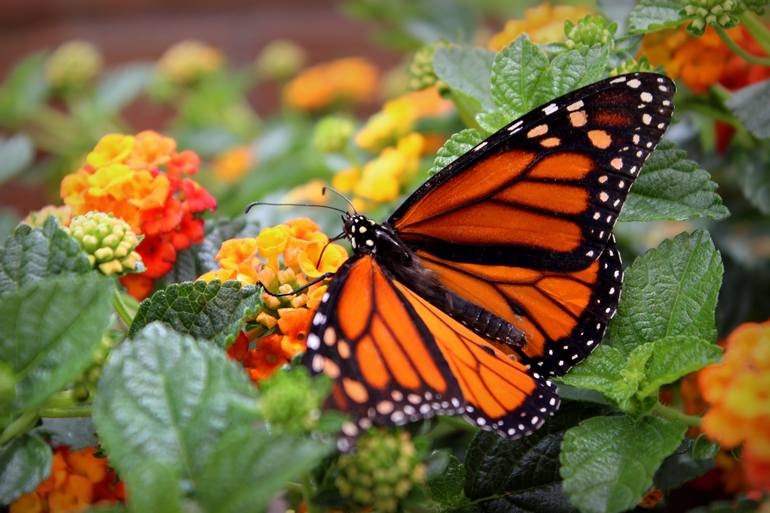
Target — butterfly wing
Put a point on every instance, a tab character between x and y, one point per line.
544	191
395	357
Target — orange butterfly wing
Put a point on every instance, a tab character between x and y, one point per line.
395	357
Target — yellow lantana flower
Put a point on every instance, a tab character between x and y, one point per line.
111	149
543	24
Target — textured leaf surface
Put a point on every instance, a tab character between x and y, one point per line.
24	462
214	311
522	475
674	357
672	187
165	398
670	290
752	106
29	255
521	78
460	143
608	462
649	15
467	70
447	488
247	468
682	466
49	331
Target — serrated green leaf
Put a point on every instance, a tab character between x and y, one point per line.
248	467
521	78
574	69
752	106
49	331
467	70
459	144
447	488
682	466
16	153
670	290
674	357
491	122
672	187
165	398
651	15
522	475
24	462
214	311
121	86
607	463
30	255
612	372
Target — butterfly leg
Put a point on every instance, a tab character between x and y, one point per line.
307	285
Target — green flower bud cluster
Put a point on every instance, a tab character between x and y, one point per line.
280	60
73	65
421	73
332	134
711	12
292	400
590	31
632	66
108	241
86	383
382	471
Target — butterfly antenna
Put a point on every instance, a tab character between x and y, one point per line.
267	203
333	239
338	193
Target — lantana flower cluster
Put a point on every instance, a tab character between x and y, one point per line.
283	258
350	80
736	390
78	480
143	180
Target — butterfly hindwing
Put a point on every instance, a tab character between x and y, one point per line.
543	192
395	357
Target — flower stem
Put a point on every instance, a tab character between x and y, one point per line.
19	426
757	29
753	59
307	493
65	413
122	309
667	412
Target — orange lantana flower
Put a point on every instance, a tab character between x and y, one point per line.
349	80
78	480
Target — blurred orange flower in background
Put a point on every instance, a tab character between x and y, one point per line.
738	393
143	180
543	24
231	165
350	80
283	258
78	480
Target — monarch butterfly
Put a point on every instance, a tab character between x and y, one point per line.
497	273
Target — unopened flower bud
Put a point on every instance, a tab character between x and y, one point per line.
108	241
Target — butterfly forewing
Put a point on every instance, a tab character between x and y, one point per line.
545	191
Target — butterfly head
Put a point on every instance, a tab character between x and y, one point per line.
361	232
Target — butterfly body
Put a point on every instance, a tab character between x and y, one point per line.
497	273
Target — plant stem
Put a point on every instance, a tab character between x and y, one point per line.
19	426
65	413
757	29
121	308
737	50
667	412
307	493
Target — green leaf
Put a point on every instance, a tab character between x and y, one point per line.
49	331
674	357
24	89
613	373
608	462
457	145
467	70
76	433
752	106
165	398
522	475
651	15
682	466
24	462
447	488
574	69
753	169
521	78
122	86
30	255
670	290
158	488
214	311
491	122
672	187
247	468
16	154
